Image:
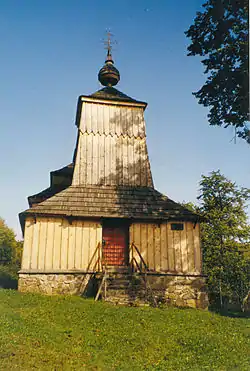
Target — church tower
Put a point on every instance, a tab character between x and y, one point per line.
102	212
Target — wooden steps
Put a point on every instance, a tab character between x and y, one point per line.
124	288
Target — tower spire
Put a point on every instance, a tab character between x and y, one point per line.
108	74
108	46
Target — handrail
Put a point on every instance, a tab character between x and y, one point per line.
141	258
104	270
100	287
100	262
147	284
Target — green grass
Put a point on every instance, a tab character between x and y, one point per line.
70	333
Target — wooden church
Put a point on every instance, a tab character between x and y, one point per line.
101	226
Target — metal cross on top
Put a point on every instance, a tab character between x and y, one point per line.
109	42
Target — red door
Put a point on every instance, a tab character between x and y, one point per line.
115	246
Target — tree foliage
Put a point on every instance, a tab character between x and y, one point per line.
225	236
220	35
10	249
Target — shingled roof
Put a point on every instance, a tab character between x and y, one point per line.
65	173
112	202
111	93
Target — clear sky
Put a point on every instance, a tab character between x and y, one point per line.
51	52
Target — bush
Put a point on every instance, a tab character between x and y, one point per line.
9	276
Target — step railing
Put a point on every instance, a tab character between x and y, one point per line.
96	266
103	266
99	266
143	269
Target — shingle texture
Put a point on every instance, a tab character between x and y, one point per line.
111	93
114	202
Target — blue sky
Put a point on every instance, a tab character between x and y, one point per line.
51	52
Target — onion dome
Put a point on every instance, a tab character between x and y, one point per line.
108	74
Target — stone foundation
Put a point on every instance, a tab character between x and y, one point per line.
54	284
181	291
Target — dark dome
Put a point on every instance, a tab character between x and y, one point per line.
108	74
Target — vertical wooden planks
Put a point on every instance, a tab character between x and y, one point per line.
138	161
164	247
125	160
171	252
144	160
107	159
57	243
94	121
100	118
136	123
197	250
49	245
143	244
89	168
119	160
78	244
42	243
157	243
124	163
92	245
131	164
28	237
84	117
184	253
85	245
64	244
106	109
118	121
190	246
177	250
101	159
83	159
95	155
151	245
141	123
98	237
112	160
35	244
131	240
112	119
71	245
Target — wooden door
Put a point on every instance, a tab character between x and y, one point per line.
115	245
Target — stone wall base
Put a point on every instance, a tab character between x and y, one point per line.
54	284
182	291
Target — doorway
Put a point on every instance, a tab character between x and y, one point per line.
115	243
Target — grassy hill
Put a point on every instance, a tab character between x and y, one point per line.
70	333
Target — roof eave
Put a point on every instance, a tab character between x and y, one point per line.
114	101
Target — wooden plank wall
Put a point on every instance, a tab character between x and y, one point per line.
54	244
112	146
165	250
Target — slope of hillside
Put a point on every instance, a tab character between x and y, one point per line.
70	333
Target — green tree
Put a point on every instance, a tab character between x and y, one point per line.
225	236
220	35
8	243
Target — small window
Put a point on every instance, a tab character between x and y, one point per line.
177	226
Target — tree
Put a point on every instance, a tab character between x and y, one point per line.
225	236
8	244
220	36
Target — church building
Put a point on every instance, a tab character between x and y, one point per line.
101	226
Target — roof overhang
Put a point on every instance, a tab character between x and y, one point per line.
115	102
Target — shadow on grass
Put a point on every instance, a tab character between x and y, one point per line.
230	313
8	277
